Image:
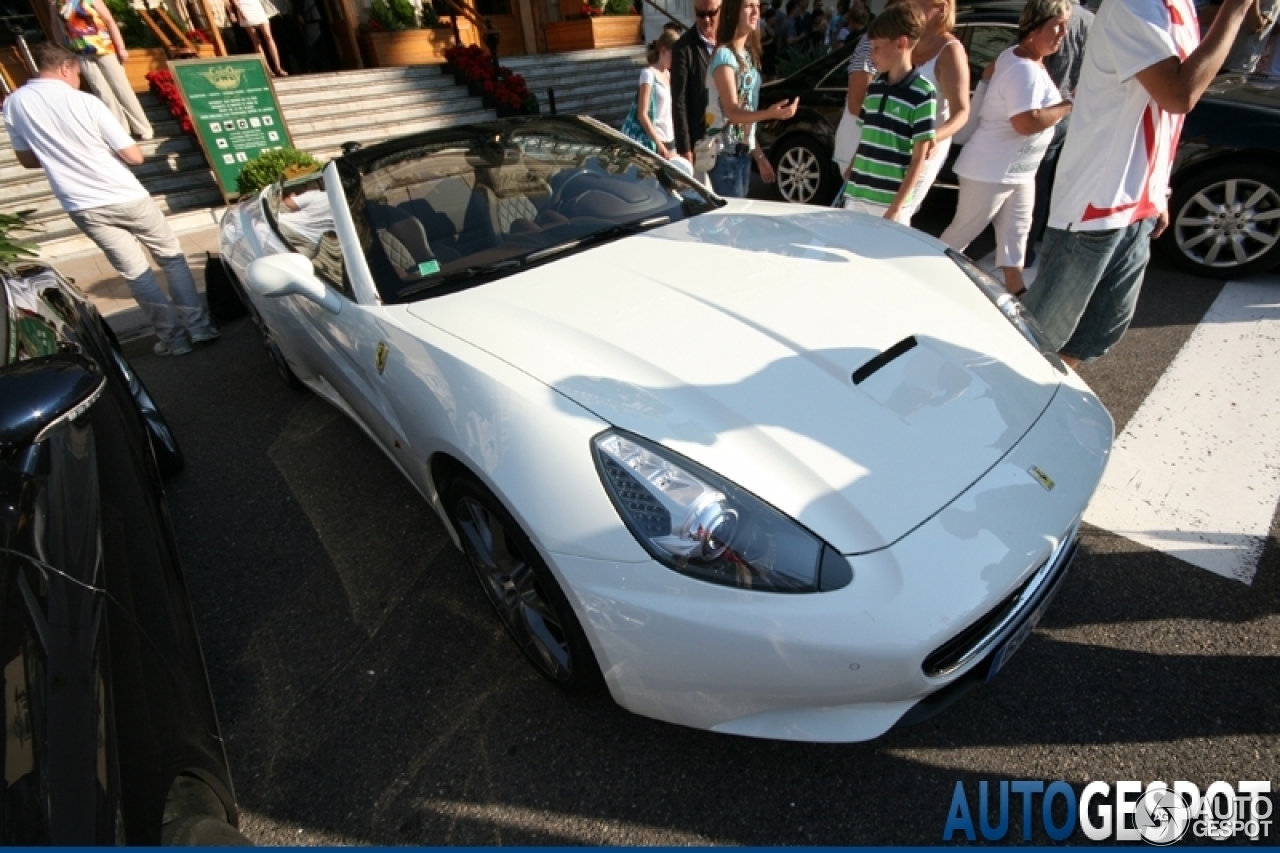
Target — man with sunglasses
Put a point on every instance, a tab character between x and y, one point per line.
689	59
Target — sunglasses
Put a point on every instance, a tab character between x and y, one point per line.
706	13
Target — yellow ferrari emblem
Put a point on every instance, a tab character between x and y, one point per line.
380	358
1041	477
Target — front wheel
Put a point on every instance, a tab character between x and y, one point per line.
522	589
1225	221
805	172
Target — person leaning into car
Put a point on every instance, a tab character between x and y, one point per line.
689	59
83	151
1144	68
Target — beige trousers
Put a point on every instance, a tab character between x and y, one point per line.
108	81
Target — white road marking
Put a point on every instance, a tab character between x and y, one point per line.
1196	472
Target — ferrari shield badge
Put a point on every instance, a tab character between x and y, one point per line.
1039	476
380	359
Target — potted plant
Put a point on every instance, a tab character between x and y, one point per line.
593	24
11	248
145	52
270	166
398	34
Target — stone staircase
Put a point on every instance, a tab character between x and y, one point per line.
323	111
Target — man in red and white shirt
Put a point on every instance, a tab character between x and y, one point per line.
1144	68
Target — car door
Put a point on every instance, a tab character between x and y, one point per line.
341	349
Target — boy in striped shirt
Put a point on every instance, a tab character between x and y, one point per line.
898	118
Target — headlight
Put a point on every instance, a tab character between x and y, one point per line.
1008	304
703	526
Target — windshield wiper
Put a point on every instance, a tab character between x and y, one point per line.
597	237
454	276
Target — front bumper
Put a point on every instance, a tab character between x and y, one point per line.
848	665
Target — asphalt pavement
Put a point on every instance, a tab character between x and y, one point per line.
369	696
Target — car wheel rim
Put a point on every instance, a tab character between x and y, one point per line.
1229	223
512	587
799	174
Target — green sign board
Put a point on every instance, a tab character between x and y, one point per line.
234	110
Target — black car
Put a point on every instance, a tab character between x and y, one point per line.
110	734
1225	209
801	147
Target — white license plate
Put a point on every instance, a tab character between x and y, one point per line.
1019	636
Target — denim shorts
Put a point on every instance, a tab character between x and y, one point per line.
731	175
1087	289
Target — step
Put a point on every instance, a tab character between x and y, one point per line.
353	92
326	145
382	118
365	77
414	98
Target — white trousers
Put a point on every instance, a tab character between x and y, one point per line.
1008	206
105	76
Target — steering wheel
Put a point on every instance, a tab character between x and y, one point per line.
561	194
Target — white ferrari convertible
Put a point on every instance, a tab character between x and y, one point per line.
762	469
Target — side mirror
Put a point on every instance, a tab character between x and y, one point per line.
290	272
39	394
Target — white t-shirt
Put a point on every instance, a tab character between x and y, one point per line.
75	137
996	153
1115	164
313	218
661	103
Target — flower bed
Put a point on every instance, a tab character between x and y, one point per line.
502	90
167	90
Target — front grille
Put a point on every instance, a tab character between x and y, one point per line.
980	636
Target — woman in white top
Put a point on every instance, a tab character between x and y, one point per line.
941	59
997	168
655	81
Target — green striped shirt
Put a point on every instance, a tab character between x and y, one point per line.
895	118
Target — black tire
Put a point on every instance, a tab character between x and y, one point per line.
522	590
806	174
219	292
1224	222
277	358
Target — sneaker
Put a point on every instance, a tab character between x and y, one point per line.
177	349
206	338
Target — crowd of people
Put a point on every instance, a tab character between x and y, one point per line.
1070	134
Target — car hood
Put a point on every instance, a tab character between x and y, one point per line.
733	337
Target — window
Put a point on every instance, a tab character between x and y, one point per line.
299	210
483	204
985	42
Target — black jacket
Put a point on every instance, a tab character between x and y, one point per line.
689	62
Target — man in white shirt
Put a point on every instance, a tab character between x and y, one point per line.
83	151
1144	69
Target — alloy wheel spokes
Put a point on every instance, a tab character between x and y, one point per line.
1230	232
512	587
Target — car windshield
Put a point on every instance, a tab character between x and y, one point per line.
492	199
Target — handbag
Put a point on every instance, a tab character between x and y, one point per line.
848	135
631	125
963	135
